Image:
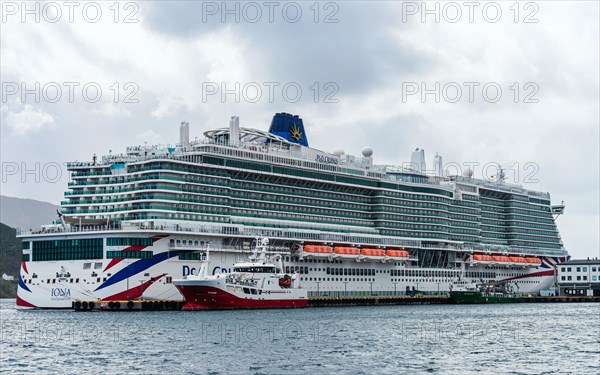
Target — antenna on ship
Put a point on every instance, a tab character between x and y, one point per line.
500	176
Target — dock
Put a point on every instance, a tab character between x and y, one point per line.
131	305
170	305
377	300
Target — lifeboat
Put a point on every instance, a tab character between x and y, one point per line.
483	258
397	254
285	281
316	250
534	261
372	252
500	259
346	251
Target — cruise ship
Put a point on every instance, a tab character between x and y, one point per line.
131	223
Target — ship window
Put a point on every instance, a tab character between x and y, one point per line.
97	265
86	266
246	291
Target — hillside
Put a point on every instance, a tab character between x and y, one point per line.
26	213
10	260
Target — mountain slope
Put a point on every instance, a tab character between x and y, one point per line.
26	213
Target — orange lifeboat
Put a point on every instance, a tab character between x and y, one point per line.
346	250
319	249
535	261
372	252
483	258
316	250
501	259
397	253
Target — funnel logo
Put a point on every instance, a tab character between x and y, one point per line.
295	132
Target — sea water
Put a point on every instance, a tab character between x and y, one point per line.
451	339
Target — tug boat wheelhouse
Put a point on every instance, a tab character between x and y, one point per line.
257	284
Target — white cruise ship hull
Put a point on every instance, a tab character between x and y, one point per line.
56	284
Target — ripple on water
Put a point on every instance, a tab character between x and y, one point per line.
540	338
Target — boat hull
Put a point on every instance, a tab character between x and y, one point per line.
200	297
460	297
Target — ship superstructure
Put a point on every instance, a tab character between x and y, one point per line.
132	222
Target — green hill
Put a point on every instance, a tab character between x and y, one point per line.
10	260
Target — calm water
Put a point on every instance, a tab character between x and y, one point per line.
516	339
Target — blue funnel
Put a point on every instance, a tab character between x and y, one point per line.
289	127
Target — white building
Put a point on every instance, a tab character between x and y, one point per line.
579	277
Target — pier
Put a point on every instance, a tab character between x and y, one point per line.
156	305
132	305
377	300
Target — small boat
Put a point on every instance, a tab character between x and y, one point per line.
464	292
397	254
318	251
372	253
345	252
257	284
534	261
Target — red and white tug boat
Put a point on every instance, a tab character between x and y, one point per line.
257	284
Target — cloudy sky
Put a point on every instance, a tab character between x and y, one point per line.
491	83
